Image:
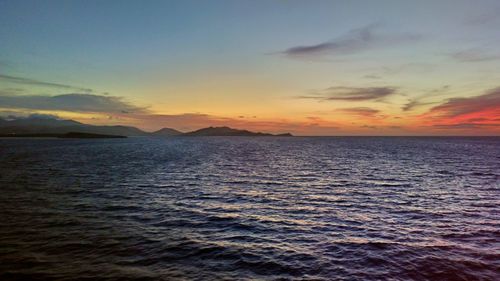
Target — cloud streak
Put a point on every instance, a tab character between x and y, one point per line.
420	101
351	94
474	55
462	126
360	111
33	82
69	102
478	113
355	41
457	107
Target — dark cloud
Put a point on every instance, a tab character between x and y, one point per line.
372	76
478	113
461	126
455	107
68	102
478	119
354	41
351	93
22	116
474	55
412	104
27	81
360	111
420	101
472	114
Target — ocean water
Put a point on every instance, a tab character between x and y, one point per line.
250	208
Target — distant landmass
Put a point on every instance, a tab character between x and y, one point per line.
51	127
226	131
166	132
70	135
77	135
58	127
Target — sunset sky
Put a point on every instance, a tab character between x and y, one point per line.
305	67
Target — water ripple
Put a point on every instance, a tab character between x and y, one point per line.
250	209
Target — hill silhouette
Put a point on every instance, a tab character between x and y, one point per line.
166	132
38	125
223	131
43	126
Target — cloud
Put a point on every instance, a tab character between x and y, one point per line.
372	76
456	107
351	93
68	102
27	81
461	126
42	116
412	104
360	111
474	55
419	101
14	115
355	41
479	113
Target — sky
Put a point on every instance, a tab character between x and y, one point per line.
305	67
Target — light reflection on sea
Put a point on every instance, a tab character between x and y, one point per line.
250	208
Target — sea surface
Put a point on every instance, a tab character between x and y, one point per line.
250	208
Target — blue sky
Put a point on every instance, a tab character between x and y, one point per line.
227	59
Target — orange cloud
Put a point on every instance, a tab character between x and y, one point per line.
479	112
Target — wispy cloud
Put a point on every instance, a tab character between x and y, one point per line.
16	115
474	55
117	111
372	76
413	104
351	93
68	102
456	107
420	100
33	82
355	41
360	111
462	126
479	113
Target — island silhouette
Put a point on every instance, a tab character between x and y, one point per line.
51	127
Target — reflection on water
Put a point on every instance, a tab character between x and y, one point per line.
250	208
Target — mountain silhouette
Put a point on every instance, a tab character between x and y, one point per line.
166	132
43	126
225	131
37	125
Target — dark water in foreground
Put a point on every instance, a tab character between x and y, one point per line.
250	208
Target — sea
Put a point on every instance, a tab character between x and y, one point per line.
250	208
